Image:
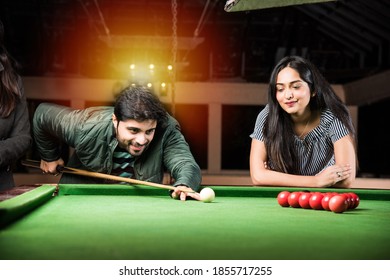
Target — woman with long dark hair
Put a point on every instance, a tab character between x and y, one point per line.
15	137
304	137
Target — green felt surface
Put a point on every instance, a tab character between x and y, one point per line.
12	209
242	223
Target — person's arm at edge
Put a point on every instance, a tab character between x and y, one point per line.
345	154
20	139
180	161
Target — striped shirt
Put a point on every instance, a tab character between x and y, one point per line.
123	163
315	151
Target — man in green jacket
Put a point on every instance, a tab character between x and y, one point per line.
136	138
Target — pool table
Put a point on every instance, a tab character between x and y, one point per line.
112	222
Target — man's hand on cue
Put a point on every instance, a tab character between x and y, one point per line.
182	192
51	167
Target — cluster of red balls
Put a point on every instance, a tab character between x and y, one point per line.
330	201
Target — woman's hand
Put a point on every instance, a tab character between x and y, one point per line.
333	175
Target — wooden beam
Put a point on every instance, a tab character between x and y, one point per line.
246	5
368	90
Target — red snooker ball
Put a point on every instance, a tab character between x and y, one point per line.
325	201
348	199
338	204
351	201
293	199
304	200
355	199
315	201
283	198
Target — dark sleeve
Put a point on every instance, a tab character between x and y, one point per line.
19	140
260	121
179	159
52	126
337	130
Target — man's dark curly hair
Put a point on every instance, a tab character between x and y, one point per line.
140	104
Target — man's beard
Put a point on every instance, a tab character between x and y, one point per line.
133	148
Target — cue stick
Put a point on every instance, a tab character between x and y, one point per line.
75	171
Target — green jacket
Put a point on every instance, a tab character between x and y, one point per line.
92	135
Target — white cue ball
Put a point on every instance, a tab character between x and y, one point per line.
207	195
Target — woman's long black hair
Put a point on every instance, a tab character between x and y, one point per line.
9	90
